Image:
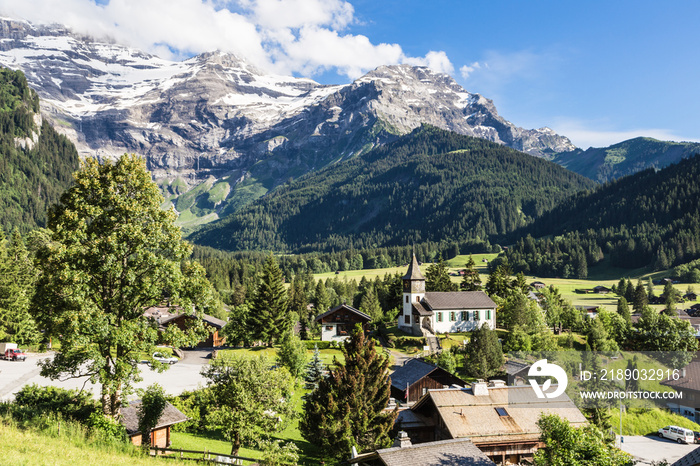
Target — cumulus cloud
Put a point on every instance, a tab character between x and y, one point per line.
287	36
467	70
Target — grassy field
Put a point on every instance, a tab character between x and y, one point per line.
66	445
648	421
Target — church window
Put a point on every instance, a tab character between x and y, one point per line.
417	299
476	315
488	314
438	316
407	320
453	316
406	299
465	315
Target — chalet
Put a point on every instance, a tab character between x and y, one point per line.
501	421
427	313
690	296
689	384
459	452
166	316
412	380
591	311
516	372
160	436
600	289
337	324
537	285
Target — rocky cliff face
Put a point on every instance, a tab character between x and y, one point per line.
215	119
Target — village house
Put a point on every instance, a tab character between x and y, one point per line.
689	384
538	285
412	380
457	452
160	435
166	316
500	420
337	324
428	313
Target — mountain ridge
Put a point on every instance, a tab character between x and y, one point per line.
215	119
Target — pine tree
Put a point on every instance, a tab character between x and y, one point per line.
621	289
292	354
370	305
624	310
484	356
437	278
314	370
268	319
640	297
17	285
471	280
321	300
347	409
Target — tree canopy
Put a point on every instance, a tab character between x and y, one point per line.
112	253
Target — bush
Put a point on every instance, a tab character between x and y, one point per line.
106	427
193	404
33	400
321	344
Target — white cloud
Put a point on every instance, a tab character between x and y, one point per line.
467	70
286	36
590	134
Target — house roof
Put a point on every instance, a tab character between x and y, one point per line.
171	415
411	372
475	417
689	379
413	271
343	307
421	310
460	452
439	300
207	319
514	366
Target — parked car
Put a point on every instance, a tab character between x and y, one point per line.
10	352
679	434
164	358
697	436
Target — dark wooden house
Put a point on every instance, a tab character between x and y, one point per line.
160	436
337	324
215	338
416	376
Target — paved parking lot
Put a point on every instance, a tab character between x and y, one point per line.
648	449
184	375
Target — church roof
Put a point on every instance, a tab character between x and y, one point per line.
419	309
439	300
413	271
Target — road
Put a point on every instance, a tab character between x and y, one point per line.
649	449
184	375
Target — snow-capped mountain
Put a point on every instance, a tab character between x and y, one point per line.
215	120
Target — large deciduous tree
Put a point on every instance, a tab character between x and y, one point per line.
347	408
112	253
250	398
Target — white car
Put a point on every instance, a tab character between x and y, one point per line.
164	358
679	434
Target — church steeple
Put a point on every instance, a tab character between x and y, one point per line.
413	270
413	292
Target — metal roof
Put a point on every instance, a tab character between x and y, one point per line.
448	300
411	372
459	452
413	271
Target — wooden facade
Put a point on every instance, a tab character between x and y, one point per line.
159	438
419	377
338	323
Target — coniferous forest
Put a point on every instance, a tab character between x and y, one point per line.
36	163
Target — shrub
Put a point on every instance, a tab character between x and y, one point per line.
310	344
193	404
33	400
106	427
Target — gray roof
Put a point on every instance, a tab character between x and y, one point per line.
411	372
413	271
440	300
513	367
691	459
130	418
452	452
421	310
346	308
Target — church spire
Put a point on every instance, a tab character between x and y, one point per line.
413	270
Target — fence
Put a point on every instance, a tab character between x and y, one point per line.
206	456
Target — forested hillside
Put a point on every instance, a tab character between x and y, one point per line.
625	158
36	163
647	219
431	185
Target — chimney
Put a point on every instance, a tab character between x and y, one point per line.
480	388
402	440
497	383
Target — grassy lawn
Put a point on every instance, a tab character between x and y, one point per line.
327	355
639	421
213	441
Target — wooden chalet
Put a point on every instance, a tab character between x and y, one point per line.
166	315
600	289
160	436
338	323
690	296
413	380
457	452
500	420
538	285
516	372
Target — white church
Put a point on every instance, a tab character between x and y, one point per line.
442	312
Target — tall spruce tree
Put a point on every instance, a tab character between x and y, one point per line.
471	280
314	370
17	284
437	278
484	355
347	409
268	318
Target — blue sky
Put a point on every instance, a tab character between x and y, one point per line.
598	72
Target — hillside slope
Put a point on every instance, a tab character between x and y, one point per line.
651	218
430	185
36	164
625	158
